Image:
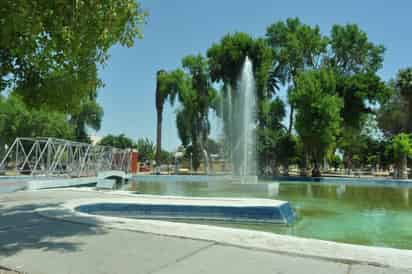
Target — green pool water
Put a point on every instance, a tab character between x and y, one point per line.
367	215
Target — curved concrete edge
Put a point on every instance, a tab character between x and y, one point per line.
214	209
326	250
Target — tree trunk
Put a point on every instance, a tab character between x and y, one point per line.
403	174
159	108
292	110
159	136
305	170
316	171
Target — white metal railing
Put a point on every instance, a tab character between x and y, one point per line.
52	156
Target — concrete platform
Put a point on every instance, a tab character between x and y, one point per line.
39	234
204	209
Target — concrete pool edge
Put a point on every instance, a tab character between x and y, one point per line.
196	209
236	237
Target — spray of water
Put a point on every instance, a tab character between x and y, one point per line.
242	119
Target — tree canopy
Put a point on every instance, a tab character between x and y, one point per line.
318	111
49	51
118	141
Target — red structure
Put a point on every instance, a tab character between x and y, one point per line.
134	161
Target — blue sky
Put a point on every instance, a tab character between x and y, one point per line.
180	27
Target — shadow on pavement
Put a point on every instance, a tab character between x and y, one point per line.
22	228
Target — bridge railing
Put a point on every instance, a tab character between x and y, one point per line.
52	156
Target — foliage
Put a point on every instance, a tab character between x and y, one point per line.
395	114
16	120
192	118
119	141
352	52
169	85
273	144
226	60
392	116
335	161
296	47
355	61
402	146
227	57
49	50
404	82
194	155
146	150
318	112
88	115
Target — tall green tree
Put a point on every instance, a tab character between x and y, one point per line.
318	112
352	52
227	57
393	115
49	50
296	47
226	60
272	140
403	83
355	61
169	85
192	118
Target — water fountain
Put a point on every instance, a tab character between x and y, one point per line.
242	125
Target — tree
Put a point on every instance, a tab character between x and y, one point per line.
402	148
355	61
226	60
393	115
53	48
146	149
192	119
352	52
88	115
168	86
271	137
404	85
318	112
297	47
16	120
227	57
119	141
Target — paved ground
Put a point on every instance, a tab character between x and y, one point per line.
35	244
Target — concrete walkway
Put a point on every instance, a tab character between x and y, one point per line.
34	244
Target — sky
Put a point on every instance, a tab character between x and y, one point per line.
176	28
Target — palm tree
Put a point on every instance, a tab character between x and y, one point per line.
168	86
404	84
88	115
276	78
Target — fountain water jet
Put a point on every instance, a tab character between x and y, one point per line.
242	124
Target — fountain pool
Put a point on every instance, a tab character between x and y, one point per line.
367	215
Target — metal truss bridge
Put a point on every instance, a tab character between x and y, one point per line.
51	157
